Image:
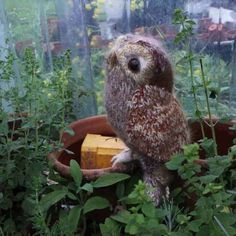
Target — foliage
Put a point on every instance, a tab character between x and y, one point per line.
211	193
19	15
98	9
73	200
24	20
218	75
41	106
97	56
211	190
37	106
189	84
136	4
140	218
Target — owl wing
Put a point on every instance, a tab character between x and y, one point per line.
156	126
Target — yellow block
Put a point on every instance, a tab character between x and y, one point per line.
97	151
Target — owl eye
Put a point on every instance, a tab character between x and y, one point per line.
134	65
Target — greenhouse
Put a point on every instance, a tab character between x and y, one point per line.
117	117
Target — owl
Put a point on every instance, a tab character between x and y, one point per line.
143	110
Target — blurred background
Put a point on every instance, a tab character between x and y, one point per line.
87	27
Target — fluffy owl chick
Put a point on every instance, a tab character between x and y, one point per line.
142	108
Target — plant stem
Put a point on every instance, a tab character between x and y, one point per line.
195	97
1	231
43	226
82	201
221	226
36	138
208	107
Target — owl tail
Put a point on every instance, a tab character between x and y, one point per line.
157	179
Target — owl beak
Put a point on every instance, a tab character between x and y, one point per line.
112	59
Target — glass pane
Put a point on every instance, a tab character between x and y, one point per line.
87	27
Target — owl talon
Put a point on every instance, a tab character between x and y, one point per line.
122	157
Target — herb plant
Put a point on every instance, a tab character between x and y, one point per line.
210	194
34	109
71	201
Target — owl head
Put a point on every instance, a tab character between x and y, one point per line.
142	59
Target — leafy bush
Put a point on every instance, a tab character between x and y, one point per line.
211	195
71	201
35	108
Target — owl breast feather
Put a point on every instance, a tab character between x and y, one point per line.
147	118
118	95
156	125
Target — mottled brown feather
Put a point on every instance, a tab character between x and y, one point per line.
156	125
142	108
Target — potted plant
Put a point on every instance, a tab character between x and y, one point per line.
204	202
72	142
26	135
210	180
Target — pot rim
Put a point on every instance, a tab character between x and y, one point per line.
88	174
91	174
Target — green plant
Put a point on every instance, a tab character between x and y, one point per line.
71	201
211	193
40	107
98	55
189	83
140	216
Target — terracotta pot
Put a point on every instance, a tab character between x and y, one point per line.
99	125
224	139
61	160
92	125
14	123
21	45
224	136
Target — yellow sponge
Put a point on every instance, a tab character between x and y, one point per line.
97	151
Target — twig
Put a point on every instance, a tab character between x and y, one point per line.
195	97
208	107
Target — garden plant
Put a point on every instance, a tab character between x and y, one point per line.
37	107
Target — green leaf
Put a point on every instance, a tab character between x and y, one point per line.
191	152
233	150
120	190
76	172
109	179
198	113
122	216
69	131
218	164
183	219
110	228
87	187
207	178
175	162
208	145
71	196
149	209
52	198
95	203
131	229
74	217
194	225
139	218
179	233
